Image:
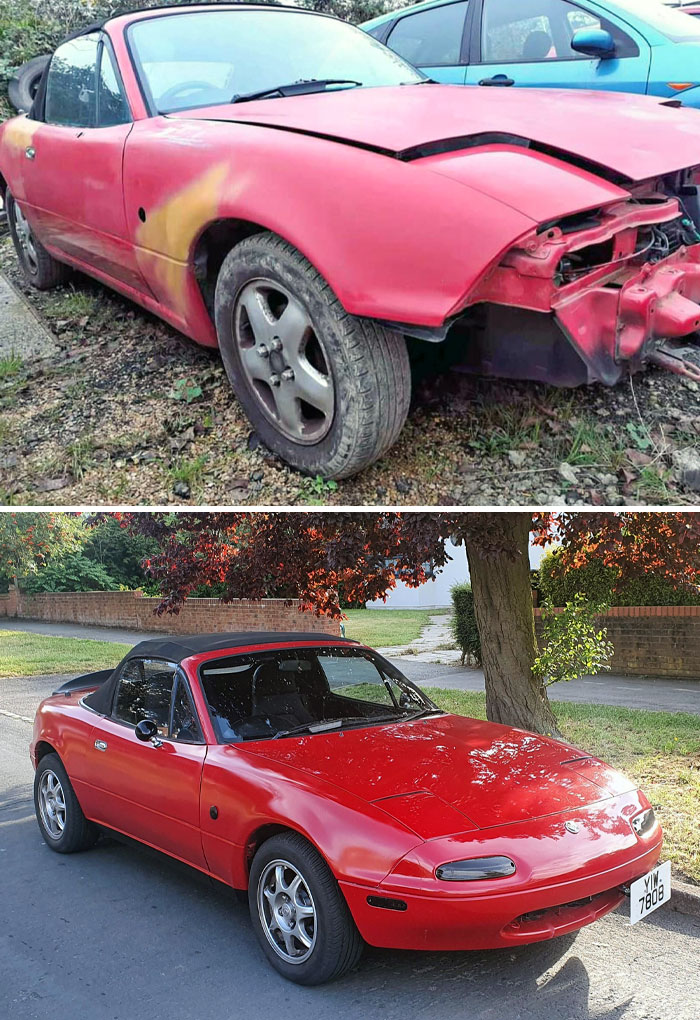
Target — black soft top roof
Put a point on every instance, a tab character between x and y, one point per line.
175	649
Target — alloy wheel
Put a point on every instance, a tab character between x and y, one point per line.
52	804
287	911
284	361
25	238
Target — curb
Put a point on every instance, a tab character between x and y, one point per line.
685	898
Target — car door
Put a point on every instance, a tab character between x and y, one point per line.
74	183
432	40
150	789
529	43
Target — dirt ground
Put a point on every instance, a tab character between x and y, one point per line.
131	412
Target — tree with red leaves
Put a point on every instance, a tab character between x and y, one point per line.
309	554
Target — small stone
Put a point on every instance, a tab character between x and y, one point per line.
403	485
517	458
254	441
257	476
687	467
381	491
181	489
568	473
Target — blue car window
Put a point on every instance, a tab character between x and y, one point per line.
540	30
431	38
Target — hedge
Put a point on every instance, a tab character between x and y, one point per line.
464	628
601	584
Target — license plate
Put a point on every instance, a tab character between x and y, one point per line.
650	891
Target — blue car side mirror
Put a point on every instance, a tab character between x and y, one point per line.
594	42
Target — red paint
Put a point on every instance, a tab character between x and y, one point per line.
385	806
410	242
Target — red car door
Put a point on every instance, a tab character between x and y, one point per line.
149	789
73	165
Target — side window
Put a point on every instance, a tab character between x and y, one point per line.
545	32
145	691
185	725
71	84
112	107
430	38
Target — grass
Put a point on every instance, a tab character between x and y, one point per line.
381	628
10	365
25	654
660	751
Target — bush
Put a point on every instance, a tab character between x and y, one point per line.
573	644
600	584
72	572
464	628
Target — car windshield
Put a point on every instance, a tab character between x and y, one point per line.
208	57
315	690
669	21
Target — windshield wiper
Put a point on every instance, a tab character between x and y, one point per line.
334	724
296	88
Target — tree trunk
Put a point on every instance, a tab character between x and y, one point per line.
503	608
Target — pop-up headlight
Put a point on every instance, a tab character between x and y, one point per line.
476	868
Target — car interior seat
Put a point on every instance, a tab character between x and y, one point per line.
536	46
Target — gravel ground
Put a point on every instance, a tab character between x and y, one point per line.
129	411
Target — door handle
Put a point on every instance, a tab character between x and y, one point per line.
498	79
30	152
101	745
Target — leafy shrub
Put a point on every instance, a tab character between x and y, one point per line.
72	572
464	628
600	584
573	643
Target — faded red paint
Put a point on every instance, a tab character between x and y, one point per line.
400	235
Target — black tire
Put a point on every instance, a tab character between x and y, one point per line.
44	272
24	83
78	833
366	365
337	945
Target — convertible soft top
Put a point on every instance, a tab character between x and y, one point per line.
175	649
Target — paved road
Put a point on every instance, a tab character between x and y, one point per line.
635	692
121	933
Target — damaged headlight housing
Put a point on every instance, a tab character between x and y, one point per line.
476	868
643	822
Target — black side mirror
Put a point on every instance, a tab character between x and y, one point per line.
146	730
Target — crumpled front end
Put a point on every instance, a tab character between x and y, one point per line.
619	287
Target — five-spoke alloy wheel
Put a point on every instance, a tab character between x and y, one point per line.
327	391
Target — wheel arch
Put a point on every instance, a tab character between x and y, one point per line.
43	747
265	832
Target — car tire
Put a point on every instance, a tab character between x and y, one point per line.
23	85
65	829
356	370
41	270
336	944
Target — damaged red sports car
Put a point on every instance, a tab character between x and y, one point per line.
307	770
277	183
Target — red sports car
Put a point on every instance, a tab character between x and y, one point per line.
308	770
277	183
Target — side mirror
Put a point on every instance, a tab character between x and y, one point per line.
594	42
146	730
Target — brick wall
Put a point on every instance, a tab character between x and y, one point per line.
651	640
134	611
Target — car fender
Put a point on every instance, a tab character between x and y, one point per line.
674	62
371	225
360	842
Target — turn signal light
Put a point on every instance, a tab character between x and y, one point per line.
680	86
476	868
643	822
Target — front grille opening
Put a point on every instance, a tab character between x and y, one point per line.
536	915
585	260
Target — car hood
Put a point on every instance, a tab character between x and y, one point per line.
627	136
448	773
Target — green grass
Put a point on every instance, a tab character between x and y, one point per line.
10	365
660	751
24	654
384	627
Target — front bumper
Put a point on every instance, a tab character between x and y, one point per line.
491	921
627	320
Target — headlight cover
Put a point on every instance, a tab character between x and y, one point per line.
476	868
643	822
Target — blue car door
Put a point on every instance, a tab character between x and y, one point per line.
529	43
433	40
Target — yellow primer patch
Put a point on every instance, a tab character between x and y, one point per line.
171	229
19	133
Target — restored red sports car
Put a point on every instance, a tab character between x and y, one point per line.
308	770
277	183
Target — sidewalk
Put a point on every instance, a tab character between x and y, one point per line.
431	645
22	333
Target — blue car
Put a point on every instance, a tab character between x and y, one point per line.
619	45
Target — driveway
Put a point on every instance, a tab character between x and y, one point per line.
122	933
